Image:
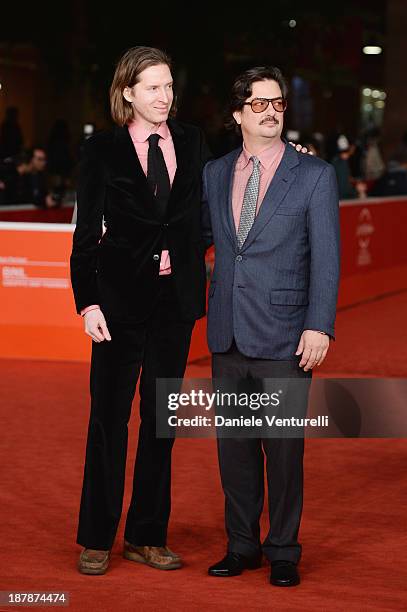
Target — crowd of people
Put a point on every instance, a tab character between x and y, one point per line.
42	174
361	168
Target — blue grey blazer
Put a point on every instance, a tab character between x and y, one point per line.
285	278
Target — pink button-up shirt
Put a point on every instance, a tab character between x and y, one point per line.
139	135
269	161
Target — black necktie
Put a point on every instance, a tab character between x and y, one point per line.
157	173
158	179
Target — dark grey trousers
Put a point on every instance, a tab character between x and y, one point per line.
241	463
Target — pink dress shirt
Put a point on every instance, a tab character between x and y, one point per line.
139	135
269	161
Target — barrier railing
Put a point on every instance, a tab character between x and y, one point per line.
28	213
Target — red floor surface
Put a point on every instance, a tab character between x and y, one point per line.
353	528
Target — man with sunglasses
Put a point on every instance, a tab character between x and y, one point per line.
272	214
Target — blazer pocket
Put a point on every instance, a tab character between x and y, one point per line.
289	297
289	212
120	179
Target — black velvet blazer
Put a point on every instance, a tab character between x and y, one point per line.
120	271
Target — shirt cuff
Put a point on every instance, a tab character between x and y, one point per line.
89	308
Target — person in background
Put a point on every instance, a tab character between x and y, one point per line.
11	173
356	161
2	190
11	137
401	149
331	143
5	169
59	156
347	187
373	164
27	183
394	180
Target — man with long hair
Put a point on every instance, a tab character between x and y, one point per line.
139	287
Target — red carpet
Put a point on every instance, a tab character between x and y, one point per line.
353	527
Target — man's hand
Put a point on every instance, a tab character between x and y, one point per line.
314	346
299	147
95	325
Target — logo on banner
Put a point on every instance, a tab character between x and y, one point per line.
23	272
364	232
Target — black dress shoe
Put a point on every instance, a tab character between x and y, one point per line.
284	573
233	565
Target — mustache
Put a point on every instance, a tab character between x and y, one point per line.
269	120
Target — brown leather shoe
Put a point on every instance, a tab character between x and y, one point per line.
172	554
93	562
160	557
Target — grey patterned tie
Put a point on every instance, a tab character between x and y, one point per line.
251	194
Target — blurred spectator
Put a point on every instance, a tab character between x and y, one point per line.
60	162
348	187
2	191
88	130
11	138
394	181
331	143
401	149
3	184
12	168
373	164
27	184
356	160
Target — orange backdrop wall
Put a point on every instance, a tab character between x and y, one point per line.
37	313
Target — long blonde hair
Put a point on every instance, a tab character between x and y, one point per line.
128	68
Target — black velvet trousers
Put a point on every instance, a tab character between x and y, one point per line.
158	348
241	462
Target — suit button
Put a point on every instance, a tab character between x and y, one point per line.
239	258
156	257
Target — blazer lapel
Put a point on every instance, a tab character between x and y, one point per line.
128	169
183	161
226	179
275	193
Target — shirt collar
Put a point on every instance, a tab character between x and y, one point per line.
139	133
266	157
